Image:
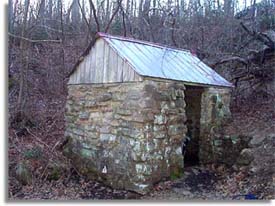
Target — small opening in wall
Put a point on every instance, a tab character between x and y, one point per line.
193	113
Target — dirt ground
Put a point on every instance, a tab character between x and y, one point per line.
197	183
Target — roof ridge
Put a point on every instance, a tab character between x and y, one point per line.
130	39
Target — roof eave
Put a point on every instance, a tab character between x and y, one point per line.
230	86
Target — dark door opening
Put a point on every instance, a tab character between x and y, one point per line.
193	113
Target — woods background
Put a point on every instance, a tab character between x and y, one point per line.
47	37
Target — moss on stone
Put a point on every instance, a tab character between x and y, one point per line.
55	172
23	173
33	153
86	153
176	173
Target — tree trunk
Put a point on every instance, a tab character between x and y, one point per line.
132	8
154	6
50	15
228	8
10	13
93	11
140	14
254	10
41	12
182	7
75	14
62	49
23	58
127	6
107	11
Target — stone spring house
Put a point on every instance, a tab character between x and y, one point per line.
130	106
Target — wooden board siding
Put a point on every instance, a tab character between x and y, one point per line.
103	65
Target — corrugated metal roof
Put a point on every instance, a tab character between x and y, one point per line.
154	60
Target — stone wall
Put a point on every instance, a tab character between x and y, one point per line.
215	113
227	148
127	135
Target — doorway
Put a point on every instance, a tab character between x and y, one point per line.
193	114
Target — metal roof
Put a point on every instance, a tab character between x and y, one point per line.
154	60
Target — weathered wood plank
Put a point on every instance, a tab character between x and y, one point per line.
119	69
103	65
112	65
82	71
99	61
86	70
126	72
78	75
92	64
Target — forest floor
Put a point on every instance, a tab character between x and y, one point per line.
197	183
200	183
209	182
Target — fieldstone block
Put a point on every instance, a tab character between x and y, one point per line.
160	135
104	97
133	95
143	169
246	157
23	174
124	112
257	140
107	137
84	115
160	119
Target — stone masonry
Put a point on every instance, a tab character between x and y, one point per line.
215	112
127	135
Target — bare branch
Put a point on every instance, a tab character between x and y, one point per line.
113	16
84	17
230	59
124	24
260	37
92	6
173	36
34	40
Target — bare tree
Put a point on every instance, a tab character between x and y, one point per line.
42	10
107	15
50	9
113	15
75	13
23	61
85	19
10	13
228	8
93	11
